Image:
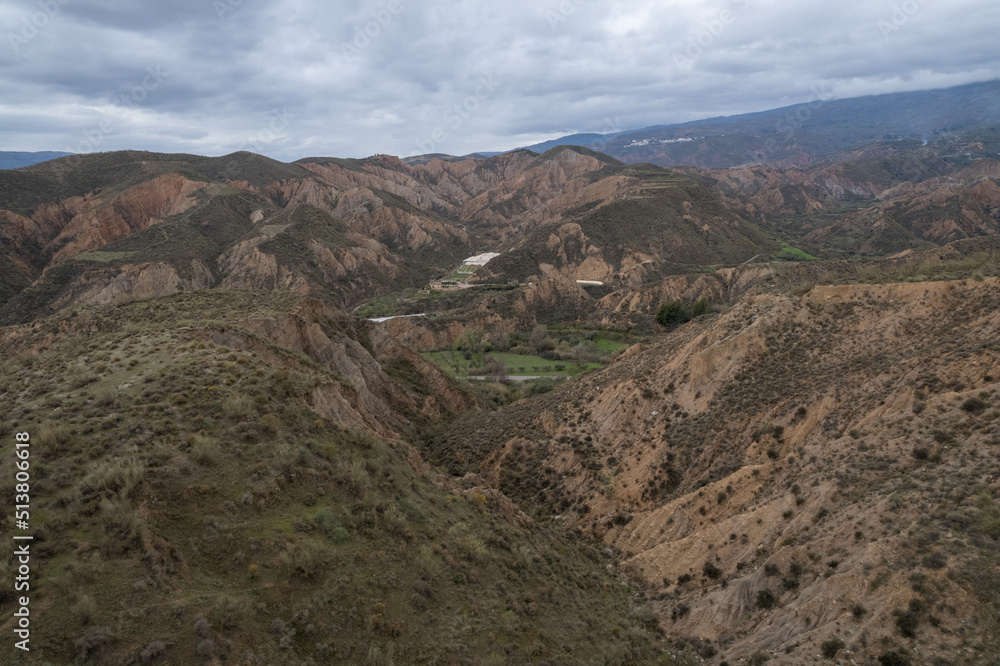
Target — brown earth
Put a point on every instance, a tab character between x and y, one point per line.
821	448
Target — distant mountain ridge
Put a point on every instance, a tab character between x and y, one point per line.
16	160
801	134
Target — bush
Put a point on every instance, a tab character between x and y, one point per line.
711	571
766	600
907	623
699	308
120	477
238	406
831	647
305	559
894	658
974	405
205	450
672	314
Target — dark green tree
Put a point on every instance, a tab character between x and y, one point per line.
672	314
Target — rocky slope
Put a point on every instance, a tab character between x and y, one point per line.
795	475
874	202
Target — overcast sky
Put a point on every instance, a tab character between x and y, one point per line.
351	78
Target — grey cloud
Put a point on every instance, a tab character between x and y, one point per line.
364	76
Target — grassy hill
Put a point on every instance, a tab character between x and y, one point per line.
215	480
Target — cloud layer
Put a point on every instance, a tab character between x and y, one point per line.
351	78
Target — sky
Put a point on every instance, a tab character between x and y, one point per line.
353	78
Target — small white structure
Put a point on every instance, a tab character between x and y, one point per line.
480	259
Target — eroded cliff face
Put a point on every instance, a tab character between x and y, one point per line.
772	469
110	218
841	205
134	282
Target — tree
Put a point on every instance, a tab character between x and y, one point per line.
699	308
540	339
672	314
495	368
471	341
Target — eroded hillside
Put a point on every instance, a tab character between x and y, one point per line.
795	476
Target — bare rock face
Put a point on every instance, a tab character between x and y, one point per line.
107	220
135	283
246	267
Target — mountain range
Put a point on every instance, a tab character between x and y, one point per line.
717	413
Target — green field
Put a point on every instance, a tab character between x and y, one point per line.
790	253
456	365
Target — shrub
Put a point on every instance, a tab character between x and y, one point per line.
766	600
85	609
123	525
711	571
907	623
205	450
699	308
238	406
152	651
858	611
974	405
921	453
119	477
53	437
305	559
893	658
91	641
672	314
831	647
268	424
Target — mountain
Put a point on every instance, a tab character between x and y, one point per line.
803	134
96	228
798	465
15	160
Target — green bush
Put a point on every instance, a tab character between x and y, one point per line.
699	308
672	314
